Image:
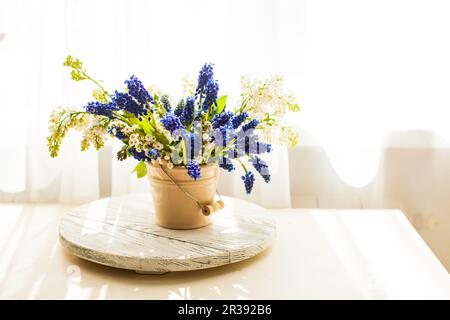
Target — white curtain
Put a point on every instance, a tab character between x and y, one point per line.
160	42
373	68
376	112
373	79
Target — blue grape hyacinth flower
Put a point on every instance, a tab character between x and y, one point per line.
137	90
179	108
171	122
100	109
261	167
153	154
126	102
193	169
221	119
251	125
117	132
239	119
210	92
166	103
249	180
187	114
140	156
226	164
205	75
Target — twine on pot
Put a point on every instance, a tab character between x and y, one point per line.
206	209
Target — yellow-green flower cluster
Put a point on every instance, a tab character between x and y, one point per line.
100	96
282	135
77	68
61	120
94	129
188	86
95	132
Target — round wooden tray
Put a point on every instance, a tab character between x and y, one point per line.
121	232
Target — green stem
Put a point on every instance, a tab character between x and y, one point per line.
200	99
98	84
153	122
222	151
243	105
208	156
199	105
157	134
122	118
183	148
68	115
243	166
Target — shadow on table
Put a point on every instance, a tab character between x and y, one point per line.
214	283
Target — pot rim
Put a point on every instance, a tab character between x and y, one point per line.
176	167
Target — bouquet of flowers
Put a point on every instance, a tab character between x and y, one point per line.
197	130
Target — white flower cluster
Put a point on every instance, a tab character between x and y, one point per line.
94	129
143	142
63	119
95	132
268	103
139	141
166	133
188	86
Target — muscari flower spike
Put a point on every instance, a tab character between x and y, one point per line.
249	180
221	119
140	156
261	167
193	169
116	132
153	154
251	125
126	102
166	102
187	115
239	119
100	109
137	90
205	75
226	164
210	92
179	108
199	115
171	122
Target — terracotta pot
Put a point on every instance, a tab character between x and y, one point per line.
173	208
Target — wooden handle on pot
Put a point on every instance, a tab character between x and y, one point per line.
213	207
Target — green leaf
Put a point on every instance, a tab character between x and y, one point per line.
221	102
161	138
140	169
130	117
148	129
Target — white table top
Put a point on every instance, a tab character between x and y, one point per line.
340	254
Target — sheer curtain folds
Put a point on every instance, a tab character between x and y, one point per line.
160	42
